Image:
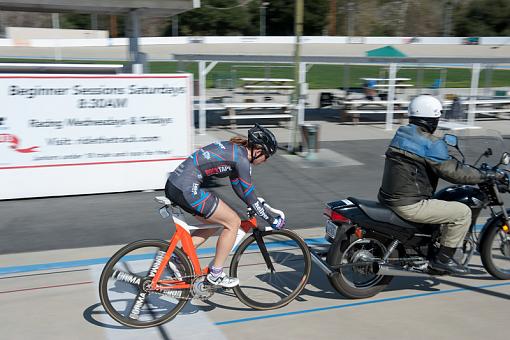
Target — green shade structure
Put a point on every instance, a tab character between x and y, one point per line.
386	52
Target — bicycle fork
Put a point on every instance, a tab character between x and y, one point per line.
263	249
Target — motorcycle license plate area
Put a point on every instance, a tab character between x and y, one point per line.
331	229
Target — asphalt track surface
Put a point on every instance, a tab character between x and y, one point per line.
110	219
53	249
62	303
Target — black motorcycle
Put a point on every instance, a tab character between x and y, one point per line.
370	244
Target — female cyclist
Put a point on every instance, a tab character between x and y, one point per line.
227	158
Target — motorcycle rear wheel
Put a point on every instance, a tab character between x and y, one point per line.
362	250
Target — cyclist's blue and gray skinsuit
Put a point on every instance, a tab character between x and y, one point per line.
220	159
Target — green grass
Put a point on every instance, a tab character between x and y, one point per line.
319	76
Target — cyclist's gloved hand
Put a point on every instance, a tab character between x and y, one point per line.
278	223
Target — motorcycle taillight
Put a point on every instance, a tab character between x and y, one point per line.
336	216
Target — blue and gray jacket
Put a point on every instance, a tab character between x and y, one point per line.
415	160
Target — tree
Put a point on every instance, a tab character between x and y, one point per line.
280	17
243	18
483	18
215	17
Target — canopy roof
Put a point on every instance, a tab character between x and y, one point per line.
386	52
151	7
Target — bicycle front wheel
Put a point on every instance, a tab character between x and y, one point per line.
273	268
124	285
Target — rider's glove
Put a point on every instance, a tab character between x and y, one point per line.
494	174
278	223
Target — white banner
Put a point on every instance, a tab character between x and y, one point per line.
80	134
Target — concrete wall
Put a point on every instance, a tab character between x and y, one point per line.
25	33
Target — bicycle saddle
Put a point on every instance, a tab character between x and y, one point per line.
162	200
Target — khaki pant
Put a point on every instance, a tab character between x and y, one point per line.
456	216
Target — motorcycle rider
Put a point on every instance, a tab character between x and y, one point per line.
415	160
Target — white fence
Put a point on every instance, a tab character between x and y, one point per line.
253	40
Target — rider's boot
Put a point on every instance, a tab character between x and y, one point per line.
218	278
444	261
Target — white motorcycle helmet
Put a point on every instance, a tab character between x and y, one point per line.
425	111
425	106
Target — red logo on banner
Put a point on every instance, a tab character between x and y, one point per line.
8	138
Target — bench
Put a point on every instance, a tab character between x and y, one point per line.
267	84
455	126
491	107
353	108
271	87
238	111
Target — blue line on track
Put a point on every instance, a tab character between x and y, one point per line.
356	304
91	262
103	260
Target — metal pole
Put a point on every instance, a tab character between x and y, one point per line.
475	76
301	102
175	26
350	19
55	20
201	80
93	21
298	29
391	95
262	18
2	25
134	33
447	25
488	79
347	78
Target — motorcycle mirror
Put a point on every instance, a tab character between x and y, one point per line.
450	140
505	158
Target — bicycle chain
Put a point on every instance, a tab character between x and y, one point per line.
192	295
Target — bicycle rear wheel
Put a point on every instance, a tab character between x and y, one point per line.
274	280
124	285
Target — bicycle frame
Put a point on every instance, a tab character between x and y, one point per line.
183	235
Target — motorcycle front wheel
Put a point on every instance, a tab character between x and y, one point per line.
495	253
356	278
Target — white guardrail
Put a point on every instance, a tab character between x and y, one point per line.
254	40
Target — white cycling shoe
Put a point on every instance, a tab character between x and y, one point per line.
223	280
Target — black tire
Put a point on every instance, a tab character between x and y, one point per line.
166	307
488	254
345	287
282	245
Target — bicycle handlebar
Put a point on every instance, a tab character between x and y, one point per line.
271	209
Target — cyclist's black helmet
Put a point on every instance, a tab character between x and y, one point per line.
260	136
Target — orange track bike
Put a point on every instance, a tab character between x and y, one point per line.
148	282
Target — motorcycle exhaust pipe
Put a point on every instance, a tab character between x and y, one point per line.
384	269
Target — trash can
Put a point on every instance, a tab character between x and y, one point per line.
310	133
325	99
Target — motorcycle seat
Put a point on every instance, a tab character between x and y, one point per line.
380	213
